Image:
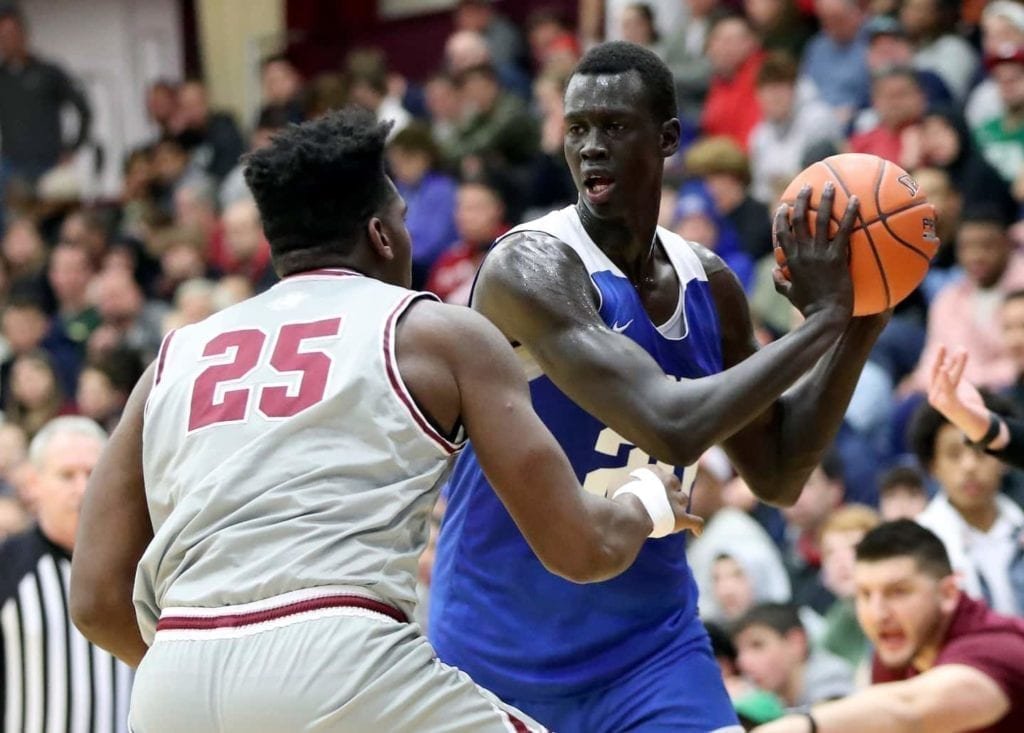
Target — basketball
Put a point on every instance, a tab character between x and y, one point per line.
893	240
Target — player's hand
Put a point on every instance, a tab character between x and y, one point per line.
680	501
956	398
818	266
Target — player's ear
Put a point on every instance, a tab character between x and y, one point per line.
671	134
379	241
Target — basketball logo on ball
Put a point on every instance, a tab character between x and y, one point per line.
893	240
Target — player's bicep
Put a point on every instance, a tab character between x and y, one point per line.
955	697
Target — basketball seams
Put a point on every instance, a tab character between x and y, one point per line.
897	238
863	227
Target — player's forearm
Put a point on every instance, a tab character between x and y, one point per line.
807	417
620	529
107	619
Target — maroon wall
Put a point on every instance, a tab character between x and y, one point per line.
323	31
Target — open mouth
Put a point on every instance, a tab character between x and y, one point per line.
598	187
891	639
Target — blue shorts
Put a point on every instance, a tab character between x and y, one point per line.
680	692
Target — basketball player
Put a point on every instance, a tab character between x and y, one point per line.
639	348
273	475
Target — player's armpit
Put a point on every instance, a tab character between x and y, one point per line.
113	531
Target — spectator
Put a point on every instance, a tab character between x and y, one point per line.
442	100
725	169
820	497
280	90
899	104
684	56
978	525
479	219
138	202
234	188
889	46
33	96
74	684
741	579
964	311
1001	139
25	254
551	184
247	252
931	25
415	162
731	108
504	43
497	129
162	106
781	26
947	199
779	143
180	253
25	326
366	79
902	494
951	663
127	318
36	396
946	143
835	58
70	272
212	138
697	219
104	386
553	45
839	537
776	653
1002	26
194	301
468	49
173	170
88	228
13	452
636	23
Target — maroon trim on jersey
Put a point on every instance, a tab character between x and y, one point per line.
326	272
162	357
517	725
226	621
399	386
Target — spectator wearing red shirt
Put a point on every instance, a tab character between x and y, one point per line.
900	103
943	662
734	51
479	220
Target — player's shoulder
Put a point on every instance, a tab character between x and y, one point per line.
711	262
430	326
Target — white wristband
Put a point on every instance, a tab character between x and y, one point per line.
648	488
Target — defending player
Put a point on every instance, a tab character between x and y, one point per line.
273	475
638	346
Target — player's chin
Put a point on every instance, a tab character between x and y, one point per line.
604	207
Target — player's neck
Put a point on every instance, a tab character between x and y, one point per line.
626	241
929	652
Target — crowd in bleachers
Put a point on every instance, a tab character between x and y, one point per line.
764	87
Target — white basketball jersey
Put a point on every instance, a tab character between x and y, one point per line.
282	451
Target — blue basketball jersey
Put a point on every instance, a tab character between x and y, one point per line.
495	611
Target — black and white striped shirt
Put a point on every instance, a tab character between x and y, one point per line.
53	680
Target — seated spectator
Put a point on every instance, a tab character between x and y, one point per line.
780	24
902	494
839	537
1002	26
88	228
775	653
551	183
36	396
497	129
931	25
834	59
194	301
685	58
162	105
467	49
211	138
246	250
554	48
128	319
779	143
725	169
888	46
978	525
479	220
636	25
946	143
442	101
25	326
70	272
504	42
24	252
415	163
181	255
234	187
697	219
947	199
137	196
366	78
964	311
949	663
280	89
731	108
231	289
899	103
104	386
1001	138
820	497
741	578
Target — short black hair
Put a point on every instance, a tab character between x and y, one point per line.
779	617
620	57
984	212
902	477
906	538
317	185
927	421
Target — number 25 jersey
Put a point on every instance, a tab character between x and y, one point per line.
281	451
495	611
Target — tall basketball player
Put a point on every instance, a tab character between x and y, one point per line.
639	348
274	473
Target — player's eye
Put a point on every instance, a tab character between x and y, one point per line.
575	130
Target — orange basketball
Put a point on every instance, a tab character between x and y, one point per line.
894	238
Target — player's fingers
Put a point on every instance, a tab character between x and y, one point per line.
828	195
849	219
801	231
690	522
782	233
783	286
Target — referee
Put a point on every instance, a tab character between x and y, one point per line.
51	678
